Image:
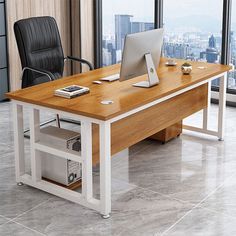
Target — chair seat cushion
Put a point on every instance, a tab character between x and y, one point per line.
44	78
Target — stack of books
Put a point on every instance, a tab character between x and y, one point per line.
71	91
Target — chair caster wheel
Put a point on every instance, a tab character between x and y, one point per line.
106	216
20	184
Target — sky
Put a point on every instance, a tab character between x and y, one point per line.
209	8
142	7
142	10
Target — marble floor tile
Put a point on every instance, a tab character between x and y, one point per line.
59	217
3	220
4	148
6	132
13	229
201	222
141	146
7	137
147	212
122	232
15	200
175	170
133	210
224	199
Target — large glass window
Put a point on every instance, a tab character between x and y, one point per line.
121	17
232	75
193	30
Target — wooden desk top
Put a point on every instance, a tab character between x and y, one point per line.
125	96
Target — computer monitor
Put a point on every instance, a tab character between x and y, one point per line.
141	55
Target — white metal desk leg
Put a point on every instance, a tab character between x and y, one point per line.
206	111
105	169
222	106
34	137
19	141
87	171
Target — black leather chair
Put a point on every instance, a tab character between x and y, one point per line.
40	50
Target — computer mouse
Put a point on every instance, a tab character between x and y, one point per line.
97	82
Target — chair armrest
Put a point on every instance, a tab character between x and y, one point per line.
40	71
82	61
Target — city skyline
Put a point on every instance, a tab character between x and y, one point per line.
187	32
188	10
124	24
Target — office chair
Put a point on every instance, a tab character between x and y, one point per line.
41	53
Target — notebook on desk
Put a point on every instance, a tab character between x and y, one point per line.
71	91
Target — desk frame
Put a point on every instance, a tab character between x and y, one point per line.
102	205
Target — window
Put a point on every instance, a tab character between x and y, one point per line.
120	18
232	75
193	30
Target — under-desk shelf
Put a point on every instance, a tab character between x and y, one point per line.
69	155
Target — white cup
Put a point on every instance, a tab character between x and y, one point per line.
171	61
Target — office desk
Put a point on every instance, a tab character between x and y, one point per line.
136	114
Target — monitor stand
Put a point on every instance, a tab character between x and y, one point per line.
152	74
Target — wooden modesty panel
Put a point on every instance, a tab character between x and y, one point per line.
133	129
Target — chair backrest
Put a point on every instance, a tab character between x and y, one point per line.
39	46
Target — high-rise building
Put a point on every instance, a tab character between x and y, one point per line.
211	53
149	26
141	26
122	28
181	51
107	57
114	45
137	27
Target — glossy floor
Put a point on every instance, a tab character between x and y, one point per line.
186	187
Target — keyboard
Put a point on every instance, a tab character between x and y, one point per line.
111	78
